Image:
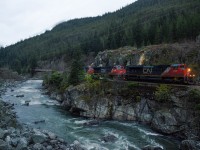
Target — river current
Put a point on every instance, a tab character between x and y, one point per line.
45	113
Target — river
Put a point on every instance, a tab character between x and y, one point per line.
129	135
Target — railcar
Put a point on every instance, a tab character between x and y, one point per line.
140	72
97	72
174	72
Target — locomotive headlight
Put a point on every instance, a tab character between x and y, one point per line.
189	70
193	75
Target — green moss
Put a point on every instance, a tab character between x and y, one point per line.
132	85
138	98
162	93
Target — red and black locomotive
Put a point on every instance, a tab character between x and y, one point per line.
174	72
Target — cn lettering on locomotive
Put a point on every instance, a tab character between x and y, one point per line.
147	70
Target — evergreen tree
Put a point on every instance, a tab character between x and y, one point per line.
76	74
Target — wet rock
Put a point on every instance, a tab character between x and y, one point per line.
26	103
150	147
77	146
38	138
91	123
20	95
14	142
109	138
8	140
2	133
22	144
52	136
143	111
40	121
49	147
165	122
53	142
189	145
3	145
38	146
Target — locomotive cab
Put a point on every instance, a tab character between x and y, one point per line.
179	72
90	70
117	71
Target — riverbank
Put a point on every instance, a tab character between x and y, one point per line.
16	136
168	110
43	114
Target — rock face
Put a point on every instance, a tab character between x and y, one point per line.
129	101
190	145
187	53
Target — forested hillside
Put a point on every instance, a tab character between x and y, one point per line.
142	23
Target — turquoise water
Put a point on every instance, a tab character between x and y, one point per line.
129	135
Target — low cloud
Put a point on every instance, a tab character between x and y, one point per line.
21	19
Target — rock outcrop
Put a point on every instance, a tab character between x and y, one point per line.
187	53
176	116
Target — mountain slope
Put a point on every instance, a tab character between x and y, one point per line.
144	22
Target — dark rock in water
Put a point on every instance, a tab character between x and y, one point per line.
19	95
40	121
109	138
26	103
189	145
150	147
91	123
76	146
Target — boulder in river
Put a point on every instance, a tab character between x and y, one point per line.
40	121
91	123
26	103
109	138
20	95
39	138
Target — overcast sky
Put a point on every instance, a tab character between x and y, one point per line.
21	19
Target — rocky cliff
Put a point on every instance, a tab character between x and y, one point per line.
171	110
187	53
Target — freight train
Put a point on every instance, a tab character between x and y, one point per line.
175	72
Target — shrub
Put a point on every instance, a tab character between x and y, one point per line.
55	79
197	107
88	78
194	95
162	93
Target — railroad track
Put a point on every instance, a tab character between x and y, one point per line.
155	83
